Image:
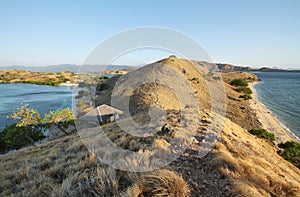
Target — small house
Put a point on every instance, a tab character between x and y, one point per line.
107	114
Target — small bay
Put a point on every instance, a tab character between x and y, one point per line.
40	97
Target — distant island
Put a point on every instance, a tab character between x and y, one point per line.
47	78
232	68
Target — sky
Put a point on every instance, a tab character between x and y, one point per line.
250	33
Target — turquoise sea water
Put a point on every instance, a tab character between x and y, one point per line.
43	98
280	93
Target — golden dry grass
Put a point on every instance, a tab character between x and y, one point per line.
22	75
64	167
254	165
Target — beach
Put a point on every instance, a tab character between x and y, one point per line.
268	120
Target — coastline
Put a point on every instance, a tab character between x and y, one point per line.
269	121
69	84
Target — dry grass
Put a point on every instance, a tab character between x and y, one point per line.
160	183
21	75
254	165
64	167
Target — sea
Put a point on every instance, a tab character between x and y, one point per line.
40	97
280	93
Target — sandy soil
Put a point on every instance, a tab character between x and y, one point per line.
267	119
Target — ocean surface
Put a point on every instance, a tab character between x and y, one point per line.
40	97
280	93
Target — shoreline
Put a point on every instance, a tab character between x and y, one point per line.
269	120
69	84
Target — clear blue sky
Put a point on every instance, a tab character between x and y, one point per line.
256	33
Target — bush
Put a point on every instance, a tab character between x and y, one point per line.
102	86
246	90
104	77
239	82
246	96
15	137
31	126
82	84
291	152
83	93
50	83
262	133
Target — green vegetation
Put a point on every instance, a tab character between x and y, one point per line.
246	96
104	77
31	127
262	133
82	93
246	90
50	83
15	137
239	82
102	86
291	152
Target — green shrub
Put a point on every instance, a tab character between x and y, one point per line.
102	86
291	152
50	83
246	90
83	93
82	84
262	133
31	126
104	77
15	137
246	96
239	82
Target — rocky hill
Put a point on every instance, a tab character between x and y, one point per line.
231	68
236	163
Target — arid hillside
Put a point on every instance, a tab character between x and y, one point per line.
222	159
22	76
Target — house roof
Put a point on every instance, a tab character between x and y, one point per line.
106	110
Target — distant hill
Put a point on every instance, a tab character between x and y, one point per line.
98	68
266	69
66	67
232	68
229	67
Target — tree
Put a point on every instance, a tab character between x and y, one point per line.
31	126
61	119
27	116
